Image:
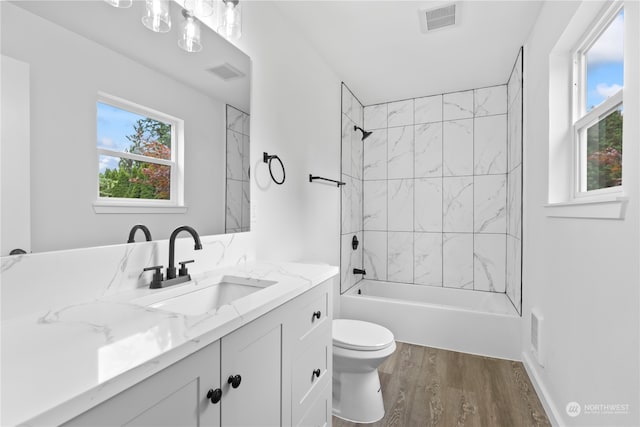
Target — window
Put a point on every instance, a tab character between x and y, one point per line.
138	152
598	106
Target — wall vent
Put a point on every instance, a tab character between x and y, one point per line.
226	71
433	19
536	336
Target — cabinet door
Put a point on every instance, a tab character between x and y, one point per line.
253	352
176	396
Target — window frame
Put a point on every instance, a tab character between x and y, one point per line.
583	119
176	186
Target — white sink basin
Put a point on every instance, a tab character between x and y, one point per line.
211	298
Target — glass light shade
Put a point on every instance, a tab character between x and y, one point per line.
122	4
190	37
157	16
199	8
231	20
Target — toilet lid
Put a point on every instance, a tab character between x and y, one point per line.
359	335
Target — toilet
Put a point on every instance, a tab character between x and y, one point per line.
358	349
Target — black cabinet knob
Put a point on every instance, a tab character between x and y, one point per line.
316	373
214	395
234	380
316	315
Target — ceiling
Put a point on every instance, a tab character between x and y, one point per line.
122	31
378	50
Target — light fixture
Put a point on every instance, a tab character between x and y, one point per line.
122	4
199	8
190	38
157	16
231	20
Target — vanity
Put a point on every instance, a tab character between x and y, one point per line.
111	351
85	341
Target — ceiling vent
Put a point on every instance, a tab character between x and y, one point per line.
441	17
226	71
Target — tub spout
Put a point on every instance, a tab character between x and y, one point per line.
358	271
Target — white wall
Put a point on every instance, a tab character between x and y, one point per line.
15	203
295	114
67	71
581	274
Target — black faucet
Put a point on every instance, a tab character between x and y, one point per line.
145	230
171	269
359	271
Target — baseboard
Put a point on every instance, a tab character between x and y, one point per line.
543	394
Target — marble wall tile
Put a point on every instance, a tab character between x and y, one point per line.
400	205
514	120
400	113
235	119
350	259
246	125
457	147
347	207
347	102
490	100
246	206
427	255
357	213
514	202
375	155
400	257
457	105
375	117
457	204
234	155
514	85
375	205
357	112
246	158
428	109
346	144
400	152
234	205
428	205
345	262
490	204
489	262
457	260
428	150
375	254
356	154
514	271
490	145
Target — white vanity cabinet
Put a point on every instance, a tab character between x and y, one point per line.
173	397
281	363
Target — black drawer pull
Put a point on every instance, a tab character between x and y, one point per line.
316	315
234	380
316	373
214	395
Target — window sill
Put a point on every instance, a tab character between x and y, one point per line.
612	207
116	208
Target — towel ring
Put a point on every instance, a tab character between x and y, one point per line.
266	158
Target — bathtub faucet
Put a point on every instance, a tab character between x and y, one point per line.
358	271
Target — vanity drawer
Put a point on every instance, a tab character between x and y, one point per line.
311	316
310	373
320	412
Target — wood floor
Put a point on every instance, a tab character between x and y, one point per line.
423	386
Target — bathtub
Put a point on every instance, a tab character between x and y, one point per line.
482	323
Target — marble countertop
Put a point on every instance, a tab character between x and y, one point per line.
59	362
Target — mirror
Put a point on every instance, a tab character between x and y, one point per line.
58	59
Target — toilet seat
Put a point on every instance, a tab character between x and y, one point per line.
360	335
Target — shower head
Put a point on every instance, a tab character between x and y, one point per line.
365	134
